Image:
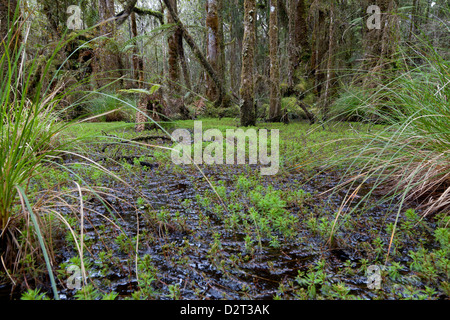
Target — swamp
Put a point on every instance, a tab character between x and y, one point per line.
237	150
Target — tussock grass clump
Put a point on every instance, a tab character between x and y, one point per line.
33	137
411	156
111	108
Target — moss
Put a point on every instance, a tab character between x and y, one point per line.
283	88
310	98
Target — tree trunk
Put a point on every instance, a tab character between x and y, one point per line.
213	45
298	39
275	103
412	28
222	98
378	44
138	63
319	47
109	66
174	67
184	66
326	96
247	90
138	69
236	46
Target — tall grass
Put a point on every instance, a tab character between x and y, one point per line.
410	158
33	135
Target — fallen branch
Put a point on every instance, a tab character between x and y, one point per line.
312	118
143	138
223	99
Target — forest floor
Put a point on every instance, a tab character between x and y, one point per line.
251	237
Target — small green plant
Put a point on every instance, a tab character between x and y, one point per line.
34	294
87	292
174	291
312	279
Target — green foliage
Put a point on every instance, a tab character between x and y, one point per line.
111	107
34	294
88	292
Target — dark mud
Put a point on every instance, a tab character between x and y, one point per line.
190	251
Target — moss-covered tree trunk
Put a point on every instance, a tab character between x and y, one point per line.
236	32
109	67
213	45
299	47
222	98
247	90
319	46
138	63
138	69
173	61
183	63
327	92
275	102
175	101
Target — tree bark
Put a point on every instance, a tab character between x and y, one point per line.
213	46
222	99
109	64
326	97
298	39
247	90
319	47
236	29
379	44
183	63
138	63
174	67
138	69
275	103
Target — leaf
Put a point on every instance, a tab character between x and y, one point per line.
127	47
154	88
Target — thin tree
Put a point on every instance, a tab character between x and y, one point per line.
173	61
247	90
213	45
222	97
138	69
275	102
379	43
109	66
138	63
326	96
298	40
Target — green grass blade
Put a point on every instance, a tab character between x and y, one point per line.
24	198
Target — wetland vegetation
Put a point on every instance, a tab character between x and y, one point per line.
93	207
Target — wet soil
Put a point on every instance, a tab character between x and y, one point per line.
193	252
